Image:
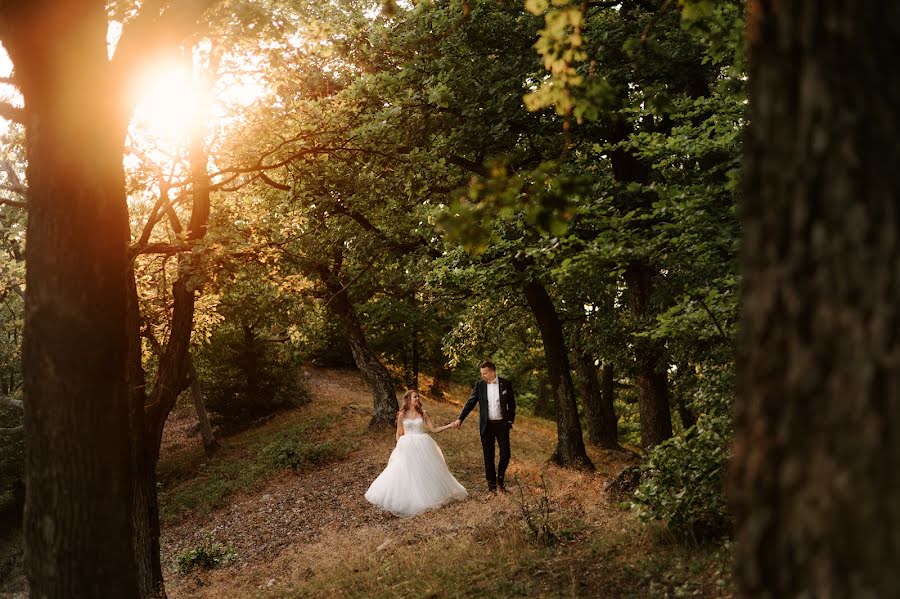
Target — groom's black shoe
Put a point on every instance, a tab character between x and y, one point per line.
501	486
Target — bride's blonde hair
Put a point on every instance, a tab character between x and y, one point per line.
407	400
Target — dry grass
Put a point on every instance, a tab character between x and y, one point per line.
312	534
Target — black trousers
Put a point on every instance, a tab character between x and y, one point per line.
497	431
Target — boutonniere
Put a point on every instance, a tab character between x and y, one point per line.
504	392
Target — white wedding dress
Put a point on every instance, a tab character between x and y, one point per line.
416	478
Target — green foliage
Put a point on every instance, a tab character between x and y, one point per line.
12	457
298	454
206	556
204	487
244	377
250	359
684	481
293	449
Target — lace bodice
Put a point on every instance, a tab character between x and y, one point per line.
414	426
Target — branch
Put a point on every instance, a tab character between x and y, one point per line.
467	164
14	188
274	184
13	403
12	113
15	429
715	320
158	248
157	28
14	203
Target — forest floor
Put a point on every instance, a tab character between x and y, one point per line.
282	532
310	532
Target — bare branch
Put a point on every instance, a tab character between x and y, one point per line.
14	203
12	113
273	183
11	173
155	213
13	403
158	248
16	189
13	430
160	27
467	164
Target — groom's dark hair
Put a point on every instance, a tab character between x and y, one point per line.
488	364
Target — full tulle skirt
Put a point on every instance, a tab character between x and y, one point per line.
416	478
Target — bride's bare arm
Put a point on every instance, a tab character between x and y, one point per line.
432	428
399	427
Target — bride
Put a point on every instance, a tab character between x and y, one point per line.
416	478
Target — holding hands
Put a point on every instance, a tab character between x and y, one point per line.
454	424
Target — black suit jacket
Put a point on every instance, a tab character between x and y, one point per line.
479	396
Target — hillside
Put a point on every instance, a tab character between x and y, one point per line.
308	532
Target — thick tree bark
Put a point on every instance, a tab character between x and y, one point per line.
650	367
544	406
570	451
143	485
210	445
687	417
815	488
597	401
608	395
384	398
78	526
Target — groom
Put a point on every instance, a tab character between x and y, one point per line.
497	411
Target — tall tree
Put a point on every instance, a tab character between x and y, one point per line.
80	468
570	449
816	491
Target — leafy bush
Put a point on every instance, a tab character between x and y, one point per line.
684	478
291	449
207	556
12	459
245	377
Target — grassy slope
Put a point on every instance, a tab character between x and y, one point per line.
310	533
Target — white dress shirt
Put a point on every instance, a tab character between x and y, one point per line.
493	393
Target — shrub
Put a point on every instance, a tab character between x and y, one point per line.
537	512
683	481
245	377
12	459
207	556
292	449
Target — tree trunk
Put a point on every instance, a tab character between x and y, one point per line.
597	401
209	440
608	396
384	398
144	486
78	524
415	359
815	488
544	406
650	367
172	374
570	450
687	417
